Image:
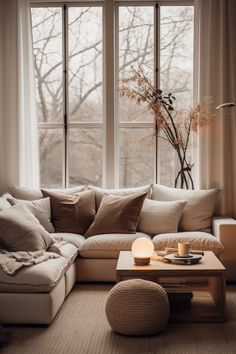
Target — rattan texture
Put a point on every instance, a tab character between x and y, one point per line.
137	307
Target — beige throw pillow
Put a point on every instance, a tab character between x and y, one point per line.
21	231
199	208
117	214
160	217
26	193
121	192
4	203
40	208
72	213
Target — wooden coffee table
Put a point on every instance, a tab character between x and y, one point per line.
205	281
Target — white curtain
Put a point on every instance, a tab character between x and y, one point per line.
18	129
215	69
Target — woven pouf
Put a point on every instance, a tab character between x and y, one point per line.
137	307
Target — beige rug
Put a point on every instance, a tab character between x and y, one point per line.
81	328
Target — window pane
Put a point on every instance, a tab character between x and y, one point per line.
176	52
47	45
176	76
85	156
136	48
51	150
136	157
85	64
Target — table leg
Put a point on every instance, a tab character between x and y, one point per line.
217	290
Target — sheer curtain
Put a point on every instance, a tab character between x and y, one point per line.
215	49
18	129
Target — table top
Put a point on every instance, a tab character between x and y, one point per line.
208	264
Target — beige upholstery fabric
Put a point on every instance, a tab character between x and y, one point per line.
4	204
70	278
71	190
108	245
198	240
119	191
137	307
39	278
160	217
40	208
75	239
33	194
96	269
199	209
69	251
21	231
224	230
117	214
25	193
72	213
30	308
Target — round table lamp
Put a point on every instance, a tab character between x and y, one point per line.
142	249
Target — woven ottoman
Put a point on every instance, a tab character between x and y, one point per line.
137	307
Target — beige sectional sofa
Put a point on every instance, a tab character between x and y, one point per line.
35	294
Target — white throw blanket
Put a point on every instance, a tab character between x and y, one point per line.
11	262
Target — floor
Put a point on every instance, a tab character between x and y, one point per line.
81	327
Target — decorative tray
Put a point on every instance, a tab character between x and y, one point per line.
190	259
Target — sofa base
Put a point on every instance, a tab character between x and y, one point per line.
36	308
96	269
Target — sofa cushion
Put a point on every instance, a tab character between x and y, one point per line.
21	231
39	278
33	194
72	213
119	191
199	209
75	239
160	217
117	214
198	240
41	209
108	245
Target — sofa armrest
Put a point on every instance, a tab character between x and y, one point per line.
224	229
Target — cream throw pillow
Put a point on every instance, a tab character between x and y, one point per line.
40	208
121	192
26	193
21	231
160	217
199	208
117	214
4	203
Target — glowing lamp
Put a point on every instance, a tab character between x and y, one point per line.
142	249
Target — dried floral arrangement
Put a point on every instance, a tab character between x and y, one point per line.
176	125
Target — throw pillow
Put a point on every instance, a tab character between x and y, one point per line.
160	217
40	208
4	203
72	213
122	192
26	193
117	214
21	231
199	208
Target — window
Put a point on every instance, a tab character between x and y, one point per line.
72	60
68	69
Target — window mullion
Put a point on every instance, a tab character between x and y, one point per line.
65	95
109	85
156	82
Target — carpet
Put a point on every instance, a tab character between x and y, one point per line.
81	328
